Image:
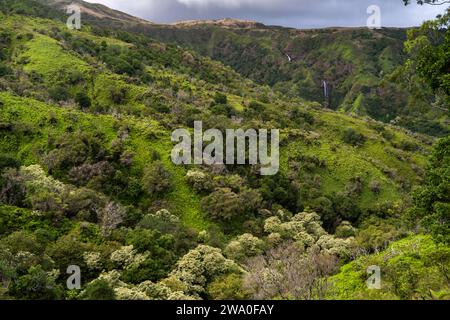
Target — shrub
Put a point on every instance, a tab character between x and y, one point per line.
111	216
83	100
199	180
220	98
432	201
287	273
345	230
353	137
156	179
37	284
12	187
118	95
98	290
59	93
200	266
228	287
243	247
223	204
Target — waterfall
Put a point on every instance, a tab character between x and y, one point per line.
325	89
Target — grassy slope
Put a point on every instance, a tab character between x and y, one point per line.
356	63
411	258
34	115
47	57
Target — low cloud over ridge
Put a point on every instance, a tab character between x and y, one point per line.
291	13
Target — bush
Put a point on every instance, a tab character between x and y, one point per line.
288	273
98	290
37	285
432	201
223	204
8	162
353	137
118	95
243	247
83	100
220	98
156	179
59	93
5	70
110	217
228	287
200	266
199	180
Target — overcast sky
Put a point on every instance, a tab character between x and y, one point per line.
291	13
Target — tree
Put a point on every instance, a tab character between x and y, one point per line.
12	187
83	100
68	250
288	273
228	287
111	216
432	201
243	247
156	179
59	93
98	290
222	204
37	284
159	255
429	50
201	266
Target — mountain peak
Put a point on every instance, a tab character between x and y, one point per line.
227	23
96	10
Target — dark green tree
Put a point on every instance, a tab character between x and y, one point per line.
429	50
83	100
98	290
432	201
156	179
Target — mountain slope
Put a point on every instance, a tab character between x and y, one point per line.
354	70
86	177
45	61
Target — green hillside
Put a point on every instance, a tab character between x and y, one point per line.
364	70
86	118
361	67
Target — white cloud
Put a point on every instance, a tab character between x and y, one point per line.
230	4
292	13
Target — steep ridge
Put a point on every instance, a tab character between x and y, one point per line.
361	69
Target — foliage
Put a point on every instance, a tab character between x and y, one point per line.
244	246
227	287
286	273
156	179
429	48
86	177
37	285
432	201
412	268
224	205
201	266
98	290
354	138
